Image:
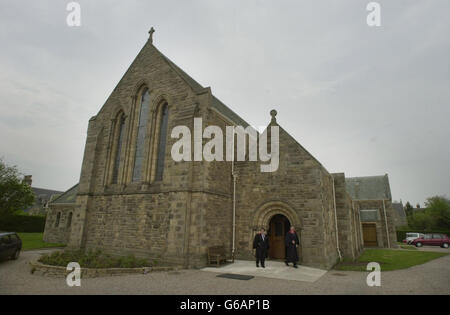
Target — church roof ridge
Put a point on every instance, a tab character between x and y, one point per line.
368	176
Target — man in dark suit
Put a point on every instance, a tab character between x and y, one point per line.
292	243
261	245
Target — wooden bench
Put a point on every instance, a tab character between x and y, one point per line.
216	255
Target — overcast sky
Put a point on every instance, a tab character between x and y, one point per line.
363	100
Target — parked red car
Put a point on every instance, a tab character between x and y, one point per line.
434	239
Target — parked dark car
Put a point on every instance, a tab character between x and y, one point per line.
10	245
434	239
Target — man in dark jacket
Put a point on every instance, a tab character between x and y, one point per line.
261	245
292	243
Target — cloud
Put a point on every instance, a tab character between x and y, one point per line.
363	100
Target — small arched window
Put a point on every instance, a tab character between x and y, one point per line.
58	218
162	142
142	130
119	139
69	219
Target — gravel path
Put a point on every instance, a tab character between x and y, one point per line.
430	278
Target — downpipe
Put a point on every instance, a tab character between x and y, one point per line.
234	216
386	223
233	249
336	220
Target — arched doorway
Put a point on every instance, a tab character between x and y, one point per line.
278	227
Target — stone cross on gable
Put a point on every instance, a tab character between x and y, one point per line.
152	30
273	113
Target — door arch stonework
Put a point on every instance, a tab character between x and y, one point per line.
267	211
264	214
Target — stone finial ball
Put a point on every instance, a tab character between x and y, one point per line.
273	113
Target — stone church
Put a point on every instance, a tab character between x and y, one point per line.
133	198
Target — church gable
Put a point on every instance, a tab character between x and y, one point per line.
129	140
152	70
298	175
293	153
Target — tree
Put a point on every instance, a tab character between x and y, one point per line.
438	208
408	209
14	195
421	221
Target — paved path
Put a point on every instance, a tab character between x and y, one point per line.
273	270
430	278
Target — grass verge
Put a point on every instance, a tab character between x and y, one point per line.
410	247
389	259
35	241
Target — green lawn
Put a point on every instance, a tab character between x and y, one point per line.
410	247
389	259
34	241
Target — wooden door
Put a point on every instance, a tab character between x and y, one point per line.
370	234
279	226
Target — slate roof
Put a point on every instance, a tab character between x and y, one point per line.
198	88
42	196
398	207
216	103
369	187
67	197
45	193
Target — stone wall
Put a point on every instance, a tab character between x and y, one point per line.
382	233
359	243
41	269
349	225
61	233
329	229
134	223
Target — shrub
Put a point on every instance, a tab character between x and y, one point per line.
131	262
22	223
92	259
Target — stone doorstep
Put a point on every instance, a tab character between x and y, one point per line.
58	271
274	269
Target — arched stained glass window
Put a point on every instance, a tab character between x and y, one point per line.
142	130
121	130
162	142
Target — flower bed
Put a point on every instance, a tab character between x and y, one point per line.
92	263
92	259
